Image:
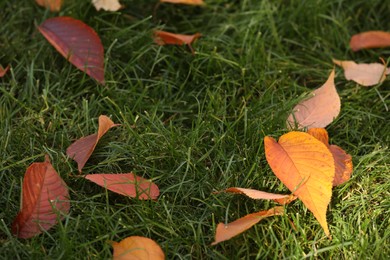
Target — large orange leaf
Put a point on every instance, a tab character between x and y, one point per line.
319	110
227	231
164	38
127	184
54	5
3	71
305	165
82	148
137	248
370	39
363	73
45	199
262	195
77	42
342	160
186	2
107	5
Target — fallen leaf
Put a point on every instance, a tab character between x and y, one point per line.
107	5
364	74
137	248
81	149
227	231
77	42
45	200
164	38
54	5
127	184
370	39
257	194
319	110
3	71
342	160
306	166
186	2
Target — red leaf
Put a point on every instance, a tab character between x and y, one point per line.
257	194
127	184
82	148
164	38
45	200
3	71
77	42
370	39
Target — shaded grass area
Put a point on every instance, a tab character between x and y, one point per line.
194	125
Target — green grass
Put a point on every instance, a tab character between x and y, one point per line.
193	124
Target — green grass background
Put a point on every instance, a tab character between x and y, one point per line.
194	125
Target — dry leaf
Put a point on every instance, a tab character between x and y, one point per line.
107	5
137	248
164	38
127	184
45	199
81	149
363	73
342	160
77	42
3	71
305	165
370	39
54	5
257	194
227	231
318	110
186	2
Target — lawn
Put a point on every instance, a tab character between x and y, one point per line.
194	124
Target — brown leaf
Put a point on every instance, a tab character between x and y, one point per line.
107	5
306	166
164	38
3	71
364	74
186	2
319	110
81	149
227	231
45	200
370	39
137	248
127	184
54	5
257	194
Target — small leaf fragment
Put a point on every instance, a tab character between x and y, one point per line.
53	5
137	248
107	5
257	194
164	38
3	71
186	2
370	39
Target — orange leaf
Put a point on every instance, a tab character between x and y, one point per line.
77	42
257	194
127	184
318	110
3	71
370	39
342	160
186	2
82	148
227	231
164	38
107	5
54	5
137	248
305	165
363	73
45	199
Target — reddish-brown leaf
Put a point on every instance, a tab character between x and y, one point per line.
54	5
262	195
3	71
319	110
342	160
107	5
370	39
186	2
137	248
164	38
227	231
127	184
81	149
77	42
45	200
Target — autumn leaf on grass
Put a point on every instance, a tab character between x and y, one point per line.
342	160
370	39
137	248
306	166
54	5
45	200
257	194
227	231
82	148
319	110
164	38
364	74
3	71
107	5
77	42
127	184
186	2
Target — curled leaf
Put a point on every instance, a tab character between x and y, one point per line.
370	39
164	38
107	5
257	194
227	231
54	5
137	248
3	71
